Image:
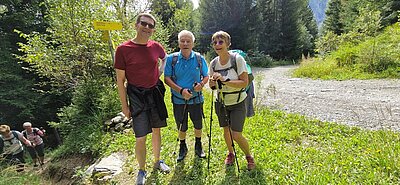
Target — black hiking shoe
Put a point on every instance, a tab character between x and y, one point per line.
198	150
182	152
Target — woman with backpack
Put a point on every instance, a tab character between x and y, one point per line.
228	74
11	146
34	135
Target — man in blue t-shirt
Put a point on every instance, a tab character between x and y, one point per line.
186	72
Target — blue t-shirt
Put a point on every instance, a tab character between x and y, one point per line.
186	73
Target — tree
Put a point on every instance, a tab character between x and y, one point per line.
333	20
21	98
391	12
308	30
226	15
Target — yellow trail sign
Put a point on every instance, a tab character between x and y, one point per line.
105	35
102	25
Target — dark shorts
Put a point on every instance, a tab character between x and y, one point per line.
15	159
236	115
195	111
39	149
147	119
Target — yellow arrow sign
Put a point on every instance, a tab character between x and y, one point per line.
102	25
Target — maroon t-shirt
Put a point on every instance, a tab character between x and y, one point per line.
140	62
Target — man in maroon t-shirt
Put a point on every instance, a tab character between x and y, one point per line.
136	61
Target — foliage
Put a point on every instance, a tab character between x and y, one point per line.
229	16
376	57
72	57
332	22
21	96
9	176
69	54
176	15
259	59
93	102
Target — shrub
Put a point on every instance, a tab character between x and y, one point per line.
259	59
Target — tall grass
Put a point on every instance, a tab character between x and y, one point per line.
376	57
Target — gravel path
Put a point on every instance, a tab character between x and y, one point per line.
371	104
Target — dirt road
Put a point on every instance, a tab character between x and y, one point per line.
371	104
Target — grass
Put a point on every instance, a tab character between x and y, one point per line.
375	57
316	68
9	176
288	149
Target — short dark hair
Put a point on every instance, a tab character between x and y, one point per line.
146	15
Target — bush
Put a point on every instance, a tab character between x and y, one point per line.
259	59
94	101
375	57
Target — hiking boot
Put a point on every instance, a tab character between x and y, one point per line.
198	150
141	178
250	163
229	159
160	165
182	152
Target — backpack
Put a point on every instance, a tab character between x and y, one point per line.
243	54
35	132
234	66
175	60
2	140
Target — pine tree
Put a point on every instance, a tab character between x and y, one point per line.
20	99
333	21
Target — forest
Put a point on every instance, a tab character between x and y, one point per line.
57	73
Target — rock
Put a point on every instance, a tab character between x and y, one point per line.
106	168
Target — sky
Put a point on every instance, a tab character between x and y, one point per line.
195	3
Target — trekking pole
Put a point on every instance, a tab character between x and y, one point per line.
37	157
209	135
229	124
181	123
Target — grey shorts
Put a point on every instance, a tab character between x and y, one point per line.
236	115
194	110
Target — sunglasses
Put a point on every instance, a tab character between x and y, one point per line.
220	42
145	24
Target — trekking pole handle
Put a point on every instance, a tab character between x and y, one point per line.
219	84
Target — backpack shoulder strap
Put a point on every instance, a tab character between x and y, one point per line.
174	58
1	144
198	58
233	61
35	131
15	134
213	64
174	61
24	134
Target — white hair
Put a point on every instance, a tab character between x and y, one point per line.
185	32
27	124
